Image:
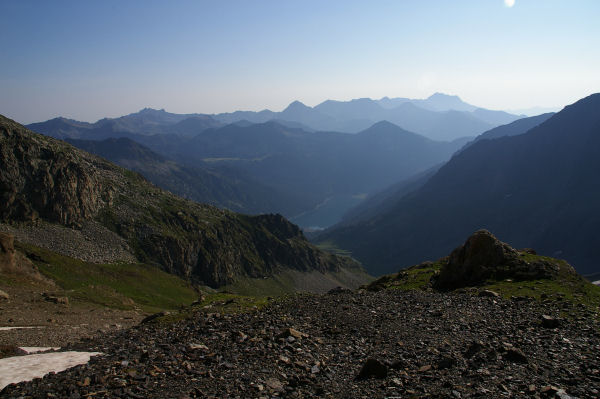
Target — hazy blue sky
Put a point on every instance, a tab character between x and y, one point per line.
88	59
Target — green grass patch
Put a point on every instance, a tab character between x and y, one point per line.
120	286
329	246
225	302
575	290
566	286
416	277
220	302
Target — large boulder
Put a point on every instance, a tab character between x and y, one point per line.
7	252
483	257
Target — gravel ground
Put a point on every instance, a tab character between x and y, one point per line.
407	344
91	243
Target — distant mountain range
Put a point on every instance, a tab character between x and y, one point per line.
439	117
536	186
146	122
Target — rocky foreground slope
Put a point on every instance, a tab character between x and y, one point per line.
399	337
47	185
423	344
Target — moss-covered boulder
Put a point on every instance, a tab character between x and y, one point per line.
483	257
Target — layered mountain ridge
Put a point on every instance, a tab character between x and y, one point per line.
270	167
439	117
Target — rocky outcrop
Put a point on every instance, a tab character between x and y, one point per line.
14	262
7	253
483	257
42	178
45	179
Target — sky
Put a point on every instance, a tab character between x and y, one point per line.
91	59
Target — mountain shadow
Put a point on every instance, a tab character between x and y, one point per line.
539	190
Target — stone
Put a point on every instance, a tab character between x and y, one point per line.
274	384
198	301
514	355
549	390
562	394
4	296
198	347
488	293
473	349
290	332
60	300
550	322
446	362
372	368
7	252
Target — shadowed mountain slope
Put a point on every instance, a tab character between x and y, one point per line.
539	189
224	188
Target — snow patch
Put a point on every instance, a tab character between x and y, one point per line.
17	328
25	368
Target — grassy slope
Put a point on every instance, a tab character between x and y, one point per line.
121	286
127	285
568	287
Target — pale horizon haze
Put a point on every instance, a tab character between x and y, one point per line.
88	60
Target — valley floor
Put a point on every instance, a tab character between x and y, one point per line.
423	344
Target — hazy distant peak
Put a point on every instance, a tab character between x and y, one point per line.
438	95
361	100
386	128
148	110
295	105
64	120
384	124
445	102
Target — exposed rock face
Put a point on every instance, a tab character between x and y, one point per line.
483	257
43	178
